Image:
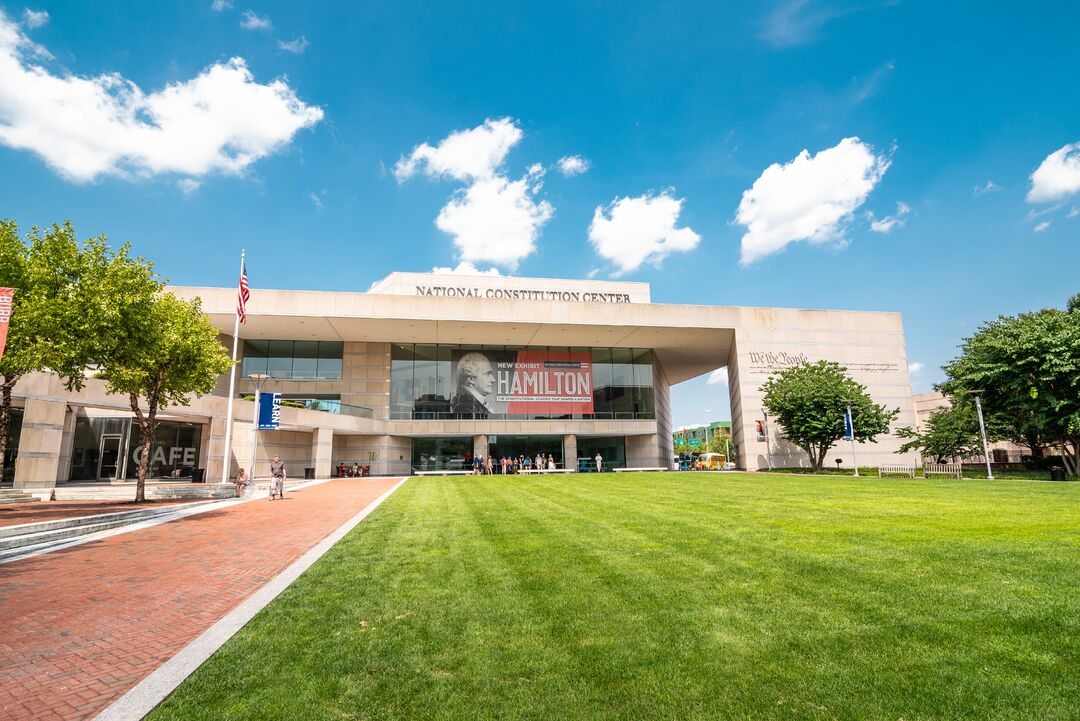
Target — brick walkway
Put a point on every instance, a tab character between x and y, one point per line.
81	626
18	513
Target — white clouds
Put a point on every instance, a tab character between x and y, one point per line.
1042	226
989	187
465	154
296	47
188	185
793	22
811	198
1057	177
889	222
495	220
630	231
718	377
85	127
1073	212
915	367
316	199
35	18
464	268
571	165
252	21
221	5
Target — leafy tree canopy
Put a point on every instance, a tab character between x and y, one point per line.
1026	369
809	401
951	432
167	351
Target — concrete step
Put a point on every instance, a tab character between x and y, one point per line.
13	495
16	540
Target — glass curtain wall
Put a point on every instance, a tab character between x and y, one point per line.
442	454
435	382
612	450
294	359
108	448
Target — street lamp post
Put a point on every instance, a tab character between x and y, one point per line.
851	427
982	431
258	378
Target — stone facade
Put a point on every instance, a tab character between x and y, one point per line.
687	341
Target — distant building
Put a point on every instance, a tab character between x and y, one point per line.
1000	452
698	436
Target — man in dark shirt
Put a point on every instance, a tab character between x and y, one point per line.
277	478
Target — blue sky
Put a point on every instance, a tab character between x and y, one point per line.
949	126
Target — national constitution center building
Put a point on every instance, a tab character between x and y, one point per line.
422	372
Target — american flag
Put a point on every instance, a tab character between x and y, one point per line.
244	294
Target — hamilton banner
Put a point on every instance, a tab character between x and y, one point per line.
6	299
537	382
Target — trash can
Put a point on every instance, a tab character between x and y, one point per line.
309	473
198	475
1057	473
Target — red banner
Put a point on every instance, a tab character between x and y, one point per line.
5	315
547	382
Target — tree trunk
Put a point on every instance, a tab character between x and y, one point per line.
147	426
5	416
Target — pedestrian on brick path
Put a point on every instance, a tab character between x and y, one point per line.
599	462
277	478
241	482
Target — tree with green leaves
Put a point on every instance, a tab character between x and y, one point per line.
809	401
168	351
1026	369
719	441
57	319
951	432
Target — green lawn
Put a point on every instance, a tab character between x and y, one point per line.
674	596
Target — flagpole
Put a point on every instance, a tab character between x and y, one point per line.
232	389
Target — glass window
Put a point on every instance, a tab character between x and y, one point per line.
643	382
255	352
331	353
401	381
601	358
622	386
305	359
439	454
280	361
426	382
612	450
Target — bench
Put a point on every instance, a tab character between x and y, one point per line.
627	470
895	469
544	470
443	473
953	470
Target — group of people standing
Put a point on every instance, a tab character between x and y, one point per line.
506	465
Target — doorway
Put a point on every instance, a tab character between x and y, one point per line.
109	457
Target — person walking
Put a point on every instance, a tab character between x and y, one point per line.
277	478
551	462
487	466
599	462
241	482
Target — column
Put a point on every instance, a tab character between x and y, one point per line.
40	444
480	445
213	453
322	451
569	451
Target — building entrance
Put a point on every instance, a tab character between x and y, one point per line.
510	446
109	457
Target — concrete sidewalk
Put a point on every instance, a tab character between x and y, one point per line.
81	626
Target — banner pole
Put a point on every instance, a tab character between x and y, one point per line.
232	390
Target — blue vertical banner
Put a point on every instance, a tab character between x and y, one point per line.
847	425
269	411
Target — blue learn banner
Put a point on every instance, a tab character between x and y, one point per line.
847	426
269	411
